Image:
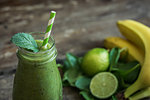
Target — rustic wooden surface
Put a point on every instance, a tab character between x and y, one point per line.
79	26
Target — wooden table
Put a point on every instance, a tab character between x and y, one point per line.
79	26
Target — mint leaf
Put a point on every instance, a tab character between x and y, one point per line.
25	40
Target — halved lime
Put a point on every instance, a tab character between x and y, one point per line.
103	85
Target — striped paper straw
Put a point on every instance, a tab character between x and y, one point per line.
49	28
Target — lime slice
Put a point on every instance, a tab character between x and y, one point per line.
103	85
95	61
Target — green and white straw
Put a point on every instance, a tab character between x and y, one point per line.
49	28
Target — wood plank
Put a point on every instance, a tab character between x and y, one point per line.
79	26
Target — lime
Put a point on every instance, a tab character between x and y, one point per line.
103	85
95	60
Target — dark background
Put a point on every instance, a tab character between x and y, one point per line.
79	26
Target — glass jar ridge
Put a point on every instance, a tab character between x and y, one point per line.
41	56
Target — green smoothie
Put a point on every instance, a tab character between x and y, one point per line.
37	76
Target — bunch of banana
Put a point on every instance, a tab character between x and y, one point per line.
138	34
134	52
138	45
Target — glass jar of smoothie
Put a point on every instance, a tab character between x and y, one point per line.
37	76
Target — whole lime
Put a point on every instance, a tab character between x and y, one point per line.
95	60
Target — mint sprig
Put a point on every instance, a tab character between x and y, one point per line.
25	40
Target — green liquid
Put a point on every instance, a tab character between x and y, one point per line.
39	43
37	77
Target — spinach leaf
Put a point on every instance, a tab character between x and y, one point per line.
83	83
114	98
71	75
87	95
122	85
72	60
66	65
65	83
113	58
129	71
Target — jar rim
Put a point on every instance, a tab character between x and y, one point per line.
41	52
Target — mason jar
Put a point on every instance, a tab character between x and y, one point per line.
37	76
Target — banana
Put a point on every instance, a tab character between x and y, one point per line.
140	95
134	53
140	35
136	39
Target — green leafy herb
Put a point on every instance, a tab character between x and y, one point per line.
71	69
122	84
129	71
71	75
79	60
66	65
83	83
114	57
65	83
114	98
25	40
71	61
87	96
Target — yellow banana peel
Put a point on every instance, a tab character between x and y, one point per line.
134	53
140	35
